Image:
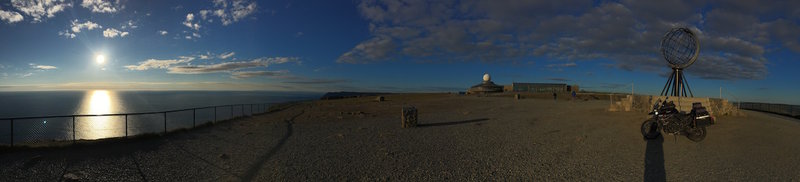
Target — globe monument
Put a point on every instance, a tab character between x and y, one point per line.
680	48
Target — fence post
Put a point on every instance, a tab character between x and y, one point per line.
126	125
73	129
215	113
251	109
165	122
12	133
231	111
194	117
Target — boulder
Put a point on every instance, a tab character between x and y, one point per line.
409	117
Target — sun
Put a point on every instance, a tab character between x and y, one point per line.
100	59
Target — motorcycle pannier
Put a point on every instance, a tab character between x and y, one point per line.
701	116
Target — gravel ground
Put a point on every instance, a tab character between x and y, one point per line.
460	138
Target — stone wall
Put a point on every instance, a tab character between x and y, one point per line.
644	103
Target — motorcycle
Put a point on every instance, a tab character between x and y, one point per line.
669	120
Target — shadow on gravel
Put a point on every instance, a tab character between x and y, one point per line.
654	160
453	122
252	171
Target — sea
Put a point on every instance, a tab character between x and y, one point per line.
95	102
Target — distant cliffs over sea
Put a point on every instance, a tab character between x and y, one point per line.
342	95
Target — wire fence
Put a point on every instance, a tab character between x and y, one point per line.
44	129
783	109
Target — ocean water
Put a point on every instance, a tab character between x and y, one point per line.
59	103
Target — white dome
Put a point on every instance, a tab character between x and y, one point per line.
486	77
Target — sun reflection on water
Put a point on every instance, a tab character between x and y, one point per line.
94	127
99	102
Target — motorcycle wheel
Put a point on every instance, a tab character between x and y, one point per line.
696	134
650	129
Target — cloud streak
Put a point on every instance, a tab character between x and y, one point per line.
43	67
158	63
229	66
318	81
248	74
226	55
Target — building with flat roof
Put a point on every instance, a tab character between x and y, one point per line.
542	87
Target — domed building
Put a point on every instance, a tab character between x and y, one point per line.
487	86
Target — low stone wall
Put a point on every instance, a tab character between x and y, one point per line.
644	103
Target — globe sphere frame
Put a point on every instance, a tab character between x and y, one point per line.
680	47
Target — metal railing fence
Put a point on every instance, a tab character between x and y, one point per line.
783	109
13	137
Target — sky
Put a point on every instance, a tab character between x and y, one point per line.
748	48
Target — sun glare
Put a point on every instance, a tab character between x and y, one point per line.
100	59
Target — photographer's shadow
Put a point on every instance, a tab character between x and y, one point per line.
654	160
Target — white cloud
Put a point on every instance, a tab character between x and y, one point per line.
99	6
238	10
26	75
207	55
40	9
76	26
378	48
162	32
10	16
226	55
44	67
204	14
66	34
229	66
248	74
570	64
196	35
112	33
158	64
188	22
130	25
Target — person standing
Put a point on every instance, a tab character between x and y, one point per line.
555	97
574	95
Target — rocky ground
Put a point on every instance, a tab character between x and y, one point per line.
459	138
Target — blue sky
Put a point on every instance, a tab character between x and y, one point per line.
747	48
